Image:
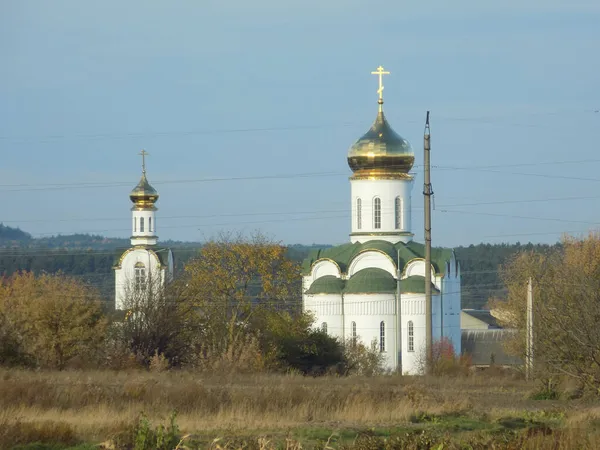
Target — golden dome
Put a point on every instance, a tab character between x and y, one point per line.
381	152
143	195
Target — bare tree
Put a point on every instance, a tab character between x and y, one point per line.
566	286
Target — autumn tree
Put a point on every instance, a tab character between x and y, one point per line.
54	318
566	286
228	282
157	321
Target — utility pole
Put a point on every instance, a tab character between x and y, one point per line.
398	317
529	342
427	193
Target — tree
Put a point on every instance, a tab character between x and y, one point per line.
157	321
566	286
55	318
230	280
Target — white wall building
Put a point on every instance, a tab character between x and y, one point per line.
373	288
144	261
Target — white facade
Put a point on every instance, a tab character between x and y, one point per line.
373	289
144	263
137	267
373	317
381	208
143	226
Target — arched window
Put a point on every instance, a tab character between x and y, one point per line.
150	224
324	327
141	224
140	275
399	224
358	213
377	213
353	326
134	224
411	337
382	336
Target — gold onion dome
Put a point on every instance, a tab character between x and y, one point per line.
144	194
381	152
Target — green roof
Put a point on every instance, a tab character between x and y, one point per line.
370	281
343	254
416	285
328	284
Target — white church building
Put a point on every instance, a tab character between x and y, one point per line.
373	288
144	262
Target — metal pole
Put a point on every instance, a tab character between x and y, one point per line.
427	192
398	317
529	343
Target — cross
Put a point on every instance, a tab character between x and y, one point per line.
381	72
143	153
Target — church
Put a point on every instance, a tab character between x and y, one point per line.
372	289
144	262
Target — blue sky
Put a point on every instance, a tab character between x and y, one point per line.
252	90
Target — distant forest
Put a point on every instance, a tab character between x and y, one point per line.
91	257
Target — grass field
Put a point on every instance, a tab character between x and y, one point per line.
87	408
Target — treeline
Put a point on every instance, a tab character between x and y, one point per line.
92	257
480	269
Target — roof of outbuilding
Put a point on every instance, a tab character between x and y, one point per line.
483	315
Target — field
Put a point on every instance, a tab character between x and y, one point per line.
79	409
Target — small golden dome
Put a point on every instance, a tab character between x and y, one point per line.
144	195
381	152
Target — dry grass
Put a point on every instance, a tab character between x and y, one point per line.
94	405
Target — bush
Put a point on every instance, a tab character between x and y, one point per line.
445	361
142	436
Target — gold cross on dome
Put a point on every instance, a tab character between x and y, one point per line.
381	72
144	153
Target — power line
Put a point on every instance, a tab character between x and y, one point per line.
90	185
497	120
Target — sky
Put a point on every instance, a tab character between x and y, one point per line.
247	110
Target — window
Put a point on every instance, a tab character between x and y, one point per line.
140	275
353	326
150	224
382	336
141	224
377	213
399	213
358	213
411	337
134	224
324	327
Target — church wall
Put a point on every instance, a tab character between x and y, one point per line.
372	259
367	311
326	308
452	298
125	275
323	268
413	310
387	191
